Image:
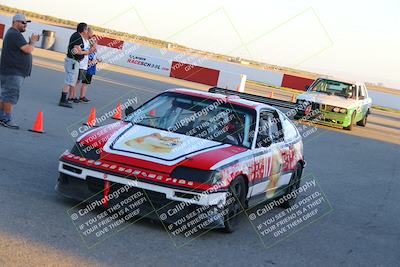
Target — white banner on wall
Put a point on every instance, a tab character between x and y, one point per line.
231	81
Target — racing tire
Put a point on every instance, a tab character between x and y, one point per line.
294	184
363	122
350	127
237	190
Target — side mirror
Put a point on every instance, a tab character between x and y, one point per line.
129	110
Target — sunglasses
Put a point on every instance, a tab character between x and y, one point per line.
23	22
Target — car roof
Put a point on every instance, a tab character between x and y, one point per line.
232	99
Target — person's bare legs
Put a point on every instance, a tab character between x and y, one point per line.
6	110
66	88
72	91
7	107
83	90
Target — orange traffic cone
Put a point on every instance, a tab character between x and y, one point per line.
271	95
293	98
118	112
92	118
38	126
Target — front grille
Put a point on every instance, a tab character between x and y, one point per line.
315	106
72	169
327	108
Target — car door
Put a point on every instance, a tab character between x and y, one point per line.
267	155
363	101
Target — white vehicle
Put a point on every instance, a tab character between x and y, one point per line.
335	103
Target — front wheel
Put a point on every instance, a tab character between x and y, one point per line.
235	204
350	127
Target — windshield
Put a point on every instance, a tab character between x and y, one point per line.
334	88
193	116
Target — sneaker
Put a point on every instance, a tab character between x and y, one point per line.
84	99
65	104
76	100
10	124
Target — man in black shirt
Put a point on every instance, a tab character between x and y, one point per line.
15	65
71	62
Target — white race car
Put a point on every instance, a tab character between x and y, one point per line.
221	153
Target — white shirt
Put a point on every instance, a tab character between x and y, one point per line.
83	64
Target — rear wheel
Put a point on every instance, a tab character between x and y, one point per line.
350	127
235	203
294	184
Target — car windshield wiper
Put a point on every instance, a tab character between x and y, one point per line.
146	125
342	95
144	118
325	92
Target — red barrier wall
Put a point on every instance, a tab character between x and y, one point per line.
194	73
109	42
296	82
2	26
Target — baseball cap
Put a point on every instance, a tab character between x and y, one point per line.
20	17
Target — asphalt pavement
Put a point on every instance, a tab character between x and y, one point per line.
359	178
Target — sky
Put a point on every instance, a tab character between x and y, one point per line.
357	40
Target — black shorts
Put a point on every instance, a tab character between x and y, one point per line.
84	77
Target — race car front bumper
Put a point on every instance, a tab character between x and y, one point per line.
88	185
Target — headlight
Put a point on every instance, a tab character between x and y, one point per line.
86	151
194	175
343	110
336	109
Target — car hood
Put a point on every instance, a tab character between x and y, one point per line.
325	99
162	150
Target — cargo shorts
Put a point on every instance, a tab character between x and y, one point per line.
71	67
10	87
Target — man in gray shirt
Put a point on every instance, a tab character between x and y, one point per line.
15	65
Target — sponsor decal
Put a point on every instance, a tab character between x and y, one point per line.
142	61
154	142
276	170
